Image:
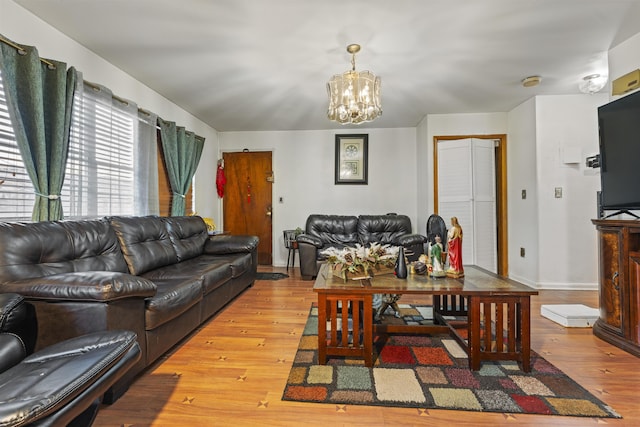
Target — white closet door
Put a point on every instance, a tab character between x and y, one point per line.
455	190
484	204
466	189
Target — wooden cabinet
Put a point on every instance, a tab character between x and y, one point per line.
619	280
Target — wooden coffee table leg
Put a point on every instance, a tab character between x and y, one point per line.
322	329
525	332
474	329
367	330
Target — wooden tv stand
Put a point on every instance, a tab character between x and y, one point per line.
619	283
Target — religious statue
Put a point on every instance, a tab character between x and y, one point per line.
381	302
454	243
436	258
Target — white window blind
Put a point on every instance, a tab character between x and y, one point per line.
111	167
16	191
99	177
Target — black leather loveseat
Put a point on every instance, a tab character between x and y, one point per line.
158	277
324	231
62	384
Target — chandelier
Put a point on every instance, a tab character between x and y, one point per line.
354	97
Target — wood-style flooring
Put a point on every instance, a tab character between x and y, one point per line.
232	371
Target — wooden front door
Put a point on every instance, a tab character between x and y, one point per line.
246	203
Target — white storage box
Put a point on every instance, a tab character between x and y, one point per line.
570	315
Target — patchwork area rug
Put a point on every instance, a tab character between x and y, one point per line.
271	276
423	371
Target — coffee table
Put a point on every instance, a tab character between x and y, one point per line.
496	312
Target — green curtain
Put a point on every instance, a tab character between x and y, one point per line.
182	151
39	98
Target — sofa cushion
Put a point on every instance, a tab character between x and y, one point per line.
174	296
333	230
188	235
213	271
240	263
384	229
145	243
39	249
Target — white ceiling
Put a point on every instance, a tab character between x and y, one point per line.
263	64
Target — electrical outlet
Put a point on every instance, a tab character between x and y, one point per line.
522	252
280	200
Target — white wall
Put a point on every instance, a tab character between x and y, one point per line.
567	131
23	27
549	140
521	175
303	164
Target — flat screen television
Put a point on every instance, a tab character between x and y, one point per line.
619	131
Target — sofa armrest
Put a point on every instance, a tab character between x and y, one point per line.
311	240
411	239
227	244
83	286
12	312
59	383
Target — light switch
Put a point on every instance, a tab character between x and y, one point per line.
524	194
558	192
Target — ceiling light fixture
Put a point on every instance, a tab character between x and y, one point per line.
531	81
592	83
354	97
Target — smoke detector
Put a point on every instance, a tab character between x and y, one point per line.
531	81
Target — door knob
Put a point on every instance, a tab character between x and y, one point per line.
268	213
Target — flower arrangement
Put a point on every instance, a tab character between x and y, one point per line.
211	225
361	260
209	222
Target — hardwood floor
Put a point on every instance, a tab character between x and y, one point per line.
232	371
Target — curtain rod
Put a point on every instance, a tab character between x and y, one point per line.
96	86
21	51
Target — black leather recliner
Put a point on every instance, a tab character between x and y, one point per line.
59	385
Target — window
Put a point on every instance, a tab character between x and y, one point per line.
16	191
111	166
99	177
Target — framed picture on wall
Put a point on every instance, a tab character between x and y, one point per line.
352	153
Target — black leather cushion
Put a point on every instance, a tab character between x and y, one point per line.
384	229
105	286
12	351
46	381
145	243
45	248
213	270
188	235
174	297
333	230
240	263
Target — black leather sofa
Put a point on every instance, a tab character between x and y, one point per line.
339	231
62	384
159	277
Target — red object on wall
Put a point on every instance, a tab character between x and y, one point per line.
221	180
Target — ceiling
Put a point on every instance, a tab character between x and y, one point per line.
248	65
